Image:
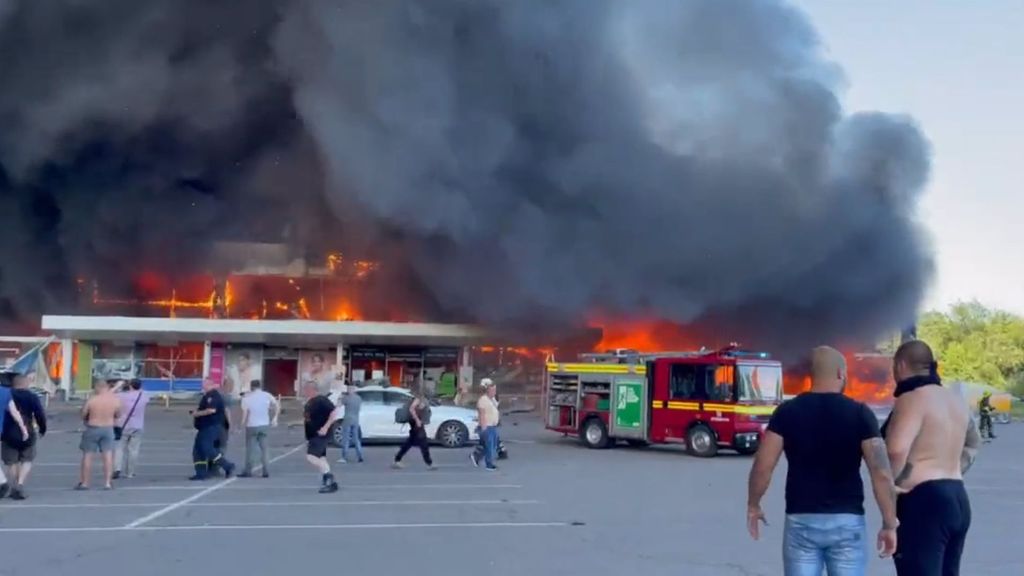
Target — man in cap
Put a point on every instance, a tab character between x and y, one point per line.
488	417
825	435
932	440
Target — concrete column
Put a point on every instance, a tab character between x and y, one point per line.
465	375
339	359
207	345
67	360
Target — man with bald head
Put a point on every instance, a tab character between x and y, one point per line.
932	440
825	435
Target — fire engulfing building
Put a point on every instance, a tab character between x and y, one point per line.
175	354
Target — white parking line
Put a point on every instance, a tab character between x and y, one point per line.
153	516
356	503
181	464
473	525
265	486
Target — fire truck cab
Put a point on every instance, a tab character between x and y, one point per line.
706	399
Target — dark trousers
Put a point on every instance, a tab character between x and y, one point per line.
985	426
205	453
934	519
417	437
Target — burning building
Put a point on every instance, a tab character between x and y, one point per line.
522	166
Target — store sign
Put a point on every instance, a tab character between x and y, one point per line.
367	353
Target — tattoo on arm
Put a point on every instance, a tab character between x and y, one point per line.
971	443
904	474
876	457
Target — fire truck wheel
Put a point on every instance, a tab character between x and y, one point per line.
700	441
594	434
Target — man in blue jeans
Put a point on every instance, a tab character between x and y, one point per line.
825	435
488	417
350	422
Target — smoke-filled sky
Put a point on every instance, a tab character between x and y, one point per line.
524	163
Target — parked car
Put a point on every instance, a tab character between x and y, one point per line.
450	426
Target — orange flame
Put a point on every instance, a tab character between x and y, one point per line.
645	336
869	379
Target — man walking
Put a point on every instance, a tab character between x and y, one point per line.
133	419
259	412
488	416
100	413
208	420
17	451
825	435
318	415
985	416
8	409
350	423
419	417
932	441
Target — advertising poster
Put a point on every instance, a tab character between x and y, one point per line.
319	366
216	372
243	364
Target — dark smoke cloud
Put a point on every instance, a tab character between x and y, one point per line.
524	163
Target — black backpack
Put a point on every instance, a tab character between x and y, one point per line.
403	416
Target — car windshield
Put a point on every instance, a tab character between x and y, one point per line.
759	382
372	396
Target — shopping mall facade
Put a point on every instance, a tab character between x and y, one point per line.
175	354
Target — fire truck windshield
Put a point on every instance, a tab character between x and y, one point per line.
759	382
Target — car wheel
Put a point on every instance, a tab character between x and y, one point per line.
452	434
336	434
594	434
700	441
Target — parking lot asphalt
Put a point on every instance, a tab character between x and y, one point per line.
553	508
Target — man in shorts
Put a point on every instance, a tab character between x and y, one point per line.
17	452
318	414
9	411
100	413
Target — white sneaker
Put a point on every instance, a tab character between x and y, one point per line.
342	461
397	465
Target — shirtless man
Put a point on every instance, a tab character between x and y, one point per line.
100	413
932	440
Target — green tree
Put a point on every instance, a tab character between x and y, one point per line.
977	344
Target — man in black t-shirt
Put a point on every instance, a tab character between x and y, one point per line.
318	415
825	435
18	452
209	421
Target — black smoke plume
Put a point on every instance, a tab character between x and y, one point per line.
524	164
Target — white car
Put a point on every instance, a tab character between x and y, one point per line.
450	426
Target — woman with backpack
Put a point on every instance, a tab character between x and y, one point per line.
418	414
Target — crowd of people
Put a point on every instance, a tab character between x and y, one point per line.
916	462
916	459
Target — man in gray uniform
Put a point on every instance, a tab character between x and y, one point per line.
350	424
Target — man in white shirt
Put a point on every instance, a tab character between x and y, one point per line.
259	412
489	417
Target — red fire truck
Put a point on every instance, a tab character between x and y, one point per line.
706	399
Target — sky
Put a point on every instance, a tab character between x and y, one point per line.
958	68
